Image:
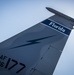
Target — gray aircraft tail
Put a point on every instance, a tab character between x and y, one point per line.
36	51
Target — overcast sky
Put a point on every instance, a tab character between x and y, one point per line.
18	15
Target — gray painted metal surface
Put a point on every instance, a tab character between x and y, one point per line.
35	51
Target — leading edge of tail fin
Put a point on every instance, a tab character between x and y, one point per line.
60	14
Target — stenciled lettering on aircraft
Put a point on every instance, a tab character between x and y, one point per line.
60	28
9	64
57	26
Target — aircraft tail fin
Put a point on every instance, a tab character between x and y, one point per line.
60	14
37	50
